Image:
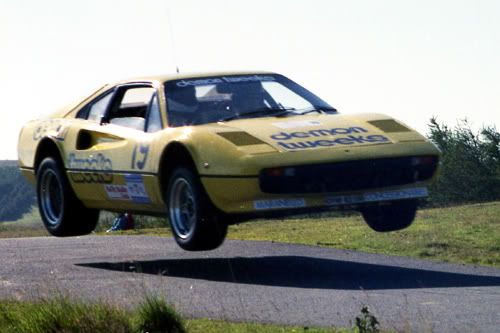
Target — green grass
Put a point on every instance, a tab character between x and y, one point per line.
463	234
207	325
62	315
154	315
467	234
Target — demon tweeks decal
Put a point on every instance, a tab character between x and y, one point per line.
326	138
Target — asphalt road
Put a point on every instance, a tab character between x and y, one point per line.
256	281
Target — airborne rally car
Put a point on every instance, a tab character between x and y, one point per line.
212	149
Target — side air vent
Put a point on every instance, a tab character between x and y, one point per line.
389	126
84	140
241	138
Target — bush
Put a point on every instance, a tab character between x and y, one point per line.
470	165
367	322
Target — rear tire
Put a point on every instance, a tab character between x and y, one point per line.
195	222
395	216
62	213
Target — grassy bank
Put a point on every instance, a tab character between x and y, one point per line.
463	234
61	315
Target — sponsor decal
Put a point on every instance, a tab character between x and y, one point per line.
53	127
61	133
133	190
296	124
279	203
316	138
136	189
224	79
419	192
117	192
398	194
94	169
343	200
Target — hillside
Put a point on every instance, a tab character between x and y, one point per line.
8	163
17	196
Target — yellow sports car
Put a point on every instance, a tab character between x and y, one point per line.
212	149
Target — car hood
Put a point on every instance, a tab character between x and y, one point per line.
298	133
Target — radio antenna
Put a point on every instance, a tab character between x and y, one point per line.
172	41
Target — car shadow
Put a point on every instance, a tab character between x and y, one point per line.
301	272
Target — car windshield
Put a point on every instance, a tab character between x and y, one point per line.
203	100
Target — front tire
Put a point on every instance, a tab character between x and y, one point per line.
195	223
62	213
395	216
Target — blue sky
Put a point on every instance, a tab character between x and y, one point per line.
409	59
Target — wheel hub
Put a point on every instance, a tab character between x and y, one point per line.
51	197
182	208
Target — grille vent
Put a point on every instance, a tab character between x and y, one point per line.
241	138
389	126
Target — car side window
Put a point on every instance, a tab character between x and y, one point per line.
98	109
131	110
154	123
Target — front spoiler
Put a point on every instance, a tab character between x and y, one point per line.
243	195
344	200
378	196
282	208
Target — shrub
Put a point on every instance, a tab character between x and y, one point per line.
470	165
367	322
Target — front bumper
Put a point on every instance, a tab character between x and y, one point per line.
324	178
243	195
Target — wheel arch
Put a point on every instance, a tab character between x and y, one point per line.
174	155
47	148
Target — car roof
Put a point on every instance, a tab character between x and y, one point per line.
158	79
180	76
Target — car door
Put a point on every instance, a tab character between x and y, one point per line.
110	165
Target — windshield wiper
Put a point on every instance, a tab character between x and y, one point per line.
271	112
317	109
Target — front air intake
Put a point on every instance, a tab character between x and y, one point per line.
348	176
